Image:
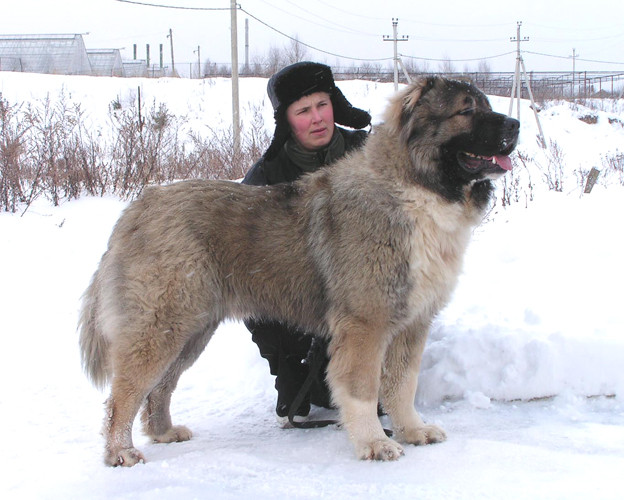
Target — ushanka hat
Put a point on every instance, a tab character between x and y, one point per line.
299	80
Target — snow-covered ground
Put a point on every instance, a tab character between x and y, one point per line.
524	369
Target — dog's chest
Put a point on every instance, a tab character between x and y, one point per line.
439	237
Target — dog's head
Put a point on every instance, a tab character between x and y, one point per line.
452	135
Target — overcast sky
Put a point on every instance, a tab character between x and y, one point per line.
348	32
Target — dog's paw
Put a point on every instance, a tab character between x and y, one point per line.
176	434
384	450
125	458
427	434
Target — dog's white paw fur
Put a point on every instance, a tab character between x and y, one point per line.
426	434
382	449
126	457
176	434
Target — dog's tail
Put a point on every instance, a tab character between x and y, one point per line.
94	346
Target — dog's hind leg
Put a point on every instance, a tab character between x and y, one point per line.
354	371
140	360
156	416
121	408
398	390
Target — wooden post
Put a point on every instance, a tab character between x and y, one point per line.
591	180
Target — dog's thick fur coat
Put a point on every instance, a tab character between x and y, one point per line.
364	252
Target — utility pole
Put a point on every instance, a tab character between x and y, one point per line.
517	84
247	46
198	61
235	106
573	56
395	39
170	36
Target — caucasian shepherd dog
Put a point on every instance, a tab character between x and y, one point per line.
364	253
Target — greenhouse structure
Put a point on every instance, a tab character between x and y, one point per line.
59	55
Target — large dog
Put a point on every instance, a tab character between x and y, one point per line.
364	253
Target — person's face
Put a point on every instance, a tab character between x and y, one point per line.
311	120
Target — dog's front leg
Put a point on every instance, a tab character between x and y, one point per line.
354	371
399	384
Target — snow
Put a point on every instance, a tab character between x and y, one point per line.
523	369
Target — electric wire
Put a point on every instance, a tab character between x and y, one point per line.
317	49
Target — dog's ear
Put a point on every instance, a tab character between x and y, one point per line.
404	103
415	91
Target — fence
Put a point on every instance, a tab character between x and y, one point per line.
545	85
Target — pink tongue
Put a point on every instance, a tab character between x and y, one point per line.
503	162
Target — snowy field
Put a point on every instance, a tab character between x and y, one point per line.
524	369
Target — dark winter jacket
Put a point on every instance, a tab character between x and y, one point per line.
282	168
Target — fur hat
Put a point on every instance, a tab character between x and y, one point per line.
299	80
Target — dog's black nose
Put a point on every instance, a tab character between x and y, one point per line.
511	127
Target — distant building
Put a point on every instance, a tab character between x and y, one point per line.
106	62
136	68
67	55
52	54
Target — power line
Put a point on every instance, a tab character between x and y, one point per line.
148	4
567	57
308	45
456	60
358	58
341	28
176	7
420	22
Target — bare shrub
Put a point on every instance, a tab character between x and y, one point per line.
12	147
144	151
589	119
616	121
51	164
581	174
214	157
552	173
47	149
517	186
295	51
614	166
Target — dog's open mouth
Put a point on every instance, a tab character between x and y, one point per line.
475	162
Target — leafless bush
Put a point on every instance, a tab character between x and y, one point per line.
367	71
517	186
553	173
614	166
145	150
46	149
214	157
590	119
277	57
51	164
581	174
12	148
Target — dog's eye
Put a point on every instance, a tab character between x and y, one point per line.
467	112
